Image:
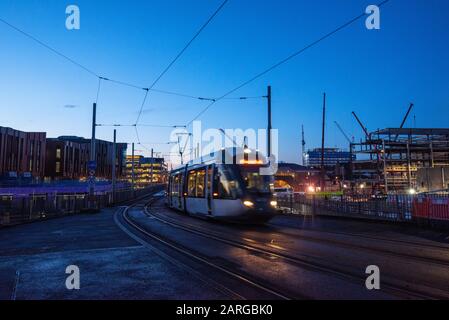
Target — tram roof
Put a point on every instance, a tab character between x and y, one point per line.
235	153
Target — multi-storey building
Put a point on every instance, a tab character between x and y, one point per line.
146	170
67	157
332	157
22	153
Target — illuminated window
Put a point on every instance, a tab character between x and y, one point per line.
191	185
200	185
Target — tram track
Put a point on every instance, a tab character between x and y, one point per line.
266	290
395	287
382	251
370	237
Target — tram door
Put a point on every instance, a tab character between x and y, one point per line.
209	188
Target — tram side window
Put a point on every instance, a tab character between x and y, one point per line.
200	183
181	185
175	185
191	184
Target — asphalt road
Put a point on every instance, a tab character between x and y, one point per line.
319	258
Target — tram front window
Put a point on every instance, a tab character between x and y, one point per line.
227	184
255	182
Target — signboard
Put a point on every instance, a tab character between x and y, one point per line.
92	165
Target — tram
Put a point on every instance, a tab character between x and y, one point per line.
226	185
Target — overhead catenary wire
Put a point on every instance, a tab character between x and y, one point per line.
26	34
91	71
118	82
281	62
181	53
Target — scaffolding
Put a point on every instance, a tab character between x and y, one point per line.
389	159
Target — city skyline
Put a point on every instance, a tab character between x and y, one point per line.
376	73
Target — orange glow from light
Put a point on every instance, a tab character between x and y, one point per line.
251	162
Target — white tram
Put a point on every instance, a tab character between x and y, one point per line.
210	187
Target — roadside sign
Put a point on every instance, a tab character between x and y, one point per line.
92	165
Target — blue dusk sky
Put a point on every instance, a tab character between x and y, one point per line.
376	73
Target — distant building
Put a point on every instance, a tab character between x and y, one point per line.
296	176
22	154
332	157
67	157
146	170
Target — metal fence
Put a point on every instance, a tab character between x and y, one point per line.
16	209
401	208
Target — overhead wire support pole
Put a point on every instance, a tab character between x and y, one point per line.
269	122
323	170
114	164
132	168
92	142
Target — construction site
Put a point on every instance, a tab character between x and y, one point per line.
386	161
401	160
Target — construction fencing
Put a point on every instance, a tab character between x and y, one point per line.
429	209
17	209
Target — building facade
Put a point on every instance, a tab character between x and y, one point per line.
67	158
22	154
332	157
146	170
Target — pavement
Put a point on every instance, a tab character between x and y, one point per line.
34	258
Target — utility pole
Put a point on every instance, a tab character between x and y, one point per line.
269	122
180	150
323	170
152	164
132	168
92	165
114	164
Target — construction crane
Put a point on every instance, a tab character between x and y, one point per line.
343	132
405	119
361	125
303	147
406	115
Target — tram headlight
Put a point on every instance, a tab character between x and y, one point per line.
248	203
274	203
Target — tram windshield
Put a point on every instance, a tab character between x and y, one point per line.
255	182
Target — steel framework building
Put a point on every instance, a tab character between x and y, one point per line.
389	159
